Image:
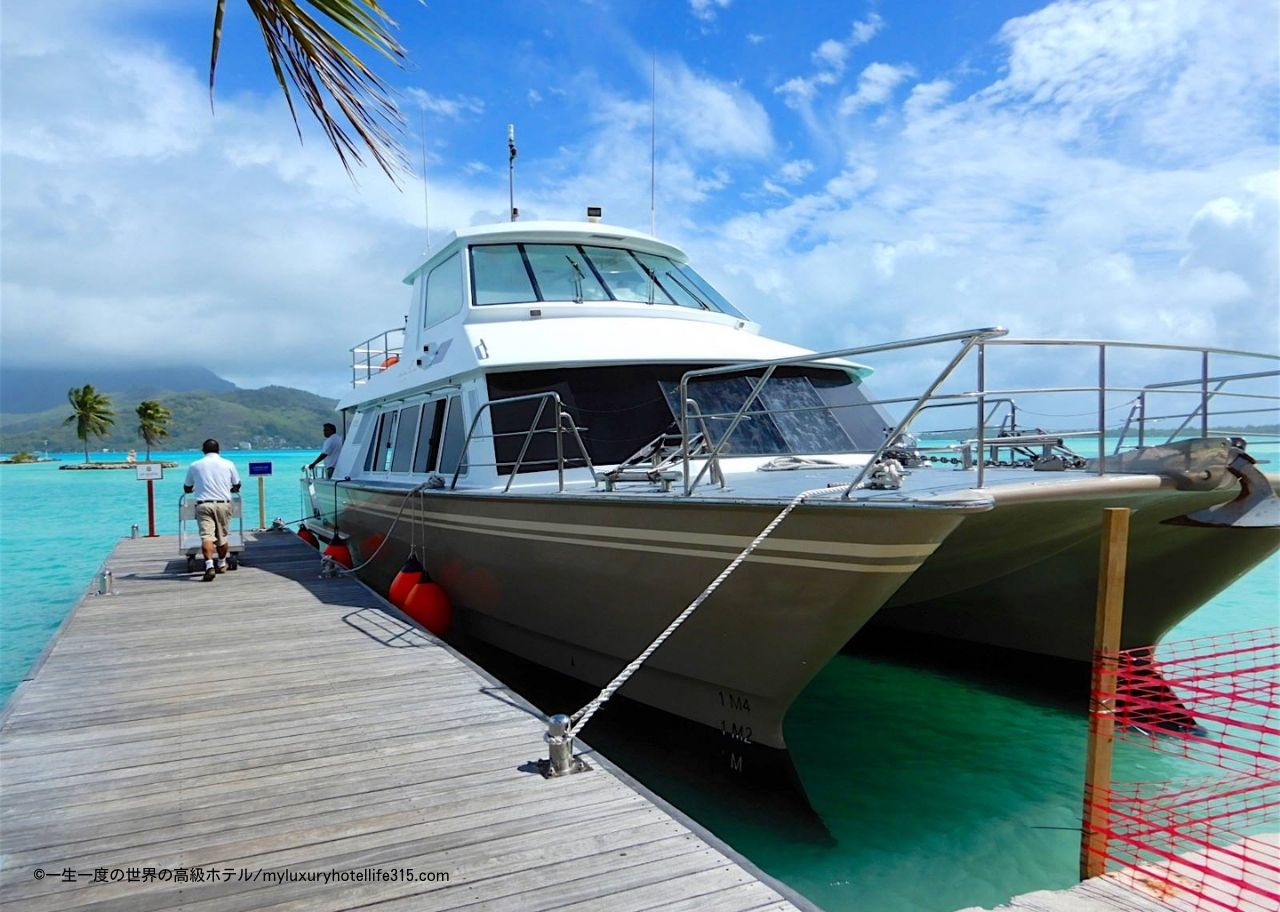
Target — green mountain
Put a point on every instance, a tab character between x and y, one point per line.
274	417
28	390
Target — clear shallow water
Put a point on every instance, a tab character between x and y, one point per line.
934	788
57	527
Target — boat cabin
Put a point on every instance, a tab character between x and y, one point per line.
608	320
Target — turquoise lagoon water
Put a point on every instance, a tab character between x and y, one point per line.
56	528
934	789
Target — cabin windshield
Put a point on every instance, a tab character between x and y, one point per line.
580	273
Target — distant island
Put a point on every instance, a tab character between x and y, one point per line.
274	417
24	458
101	466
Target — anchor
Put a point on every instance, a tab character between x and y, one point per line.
1255	507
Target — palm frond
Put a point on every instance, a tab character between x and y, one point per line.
319	65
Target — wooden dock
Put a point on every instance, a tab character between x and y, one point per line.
274	740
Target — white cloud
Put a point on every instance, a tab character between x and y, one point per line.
830	59
710	116
534	96
875	85
832	55
152	232
1116	179
795	171
1045	201
706	9
454	108
866	29
753	38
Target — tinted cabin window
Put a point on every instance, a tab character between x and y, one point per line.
500	275
388	442
444	291
406	431
528	273
626	277
424	459
454	436
706	292
563	273
371	455
620	409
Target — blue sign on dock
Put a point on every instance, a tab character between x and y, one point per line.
259	468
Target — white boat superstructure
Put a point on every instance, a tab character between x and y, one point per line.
576	432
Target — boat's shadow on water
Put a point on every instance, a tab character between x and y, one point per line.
1051	682
688	765
752	793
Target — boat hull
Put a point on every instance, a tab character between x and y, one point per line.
582	584
1024	575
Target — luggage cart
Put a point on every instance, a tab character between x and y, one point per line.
189	532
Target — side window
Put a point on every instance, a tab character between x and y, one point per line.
406	430
375	441
454	434
429	436
444	291
388	442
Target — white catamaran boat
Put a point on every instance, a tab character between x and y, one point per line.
576	433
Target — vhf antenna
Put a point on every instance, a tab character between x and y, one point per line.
426	208
653	145
511	170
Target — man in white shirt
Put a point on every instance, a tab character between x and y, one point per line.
328	450
213	480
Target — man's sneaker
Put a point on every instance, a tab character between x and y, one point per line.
209	574
220	568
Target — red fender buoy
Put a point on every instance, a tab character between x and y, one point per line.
429	606
308	536
408	577
340	553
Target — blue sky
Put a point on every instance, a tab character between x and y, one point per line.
848	173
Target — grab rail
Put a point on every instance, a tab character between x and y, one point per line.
376	354
968	338
1202	385
558	430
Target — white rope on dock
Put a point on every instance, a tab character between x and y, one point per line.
583	716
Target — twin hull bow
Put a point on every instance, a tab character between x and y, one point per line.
583	584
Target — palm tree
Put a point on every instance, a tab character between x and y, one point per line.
92	413
153	423
316	60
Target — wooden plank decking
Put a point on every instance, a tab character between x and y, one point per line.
184	744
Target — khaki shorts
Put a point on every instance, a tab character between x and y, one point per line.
213	520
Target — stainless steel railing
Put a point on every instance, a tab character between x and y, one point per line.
967	338
376	354
564	423
977	341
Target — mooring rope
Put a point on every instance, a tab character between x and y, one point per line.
387	535
580	719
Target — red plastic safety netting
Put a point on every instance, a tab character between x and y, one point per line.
1208	846
1213	699
1211	843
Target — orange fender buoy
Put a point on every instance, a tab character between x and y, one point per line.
308	536
408	577
429	606
340	553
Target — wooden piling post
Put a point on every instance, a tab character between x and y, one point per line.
1106	649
